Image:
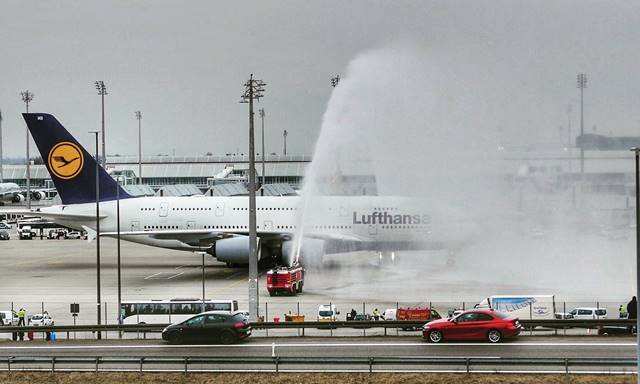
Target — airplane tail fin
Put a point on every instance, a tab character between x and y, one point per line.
72	168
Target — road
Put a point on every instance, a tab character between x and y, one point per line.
349	347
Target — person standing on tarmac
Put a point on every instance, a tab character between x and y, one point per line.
376	314
622	312
22	314
632	308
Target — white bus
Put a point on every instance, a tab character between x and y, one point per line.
170	311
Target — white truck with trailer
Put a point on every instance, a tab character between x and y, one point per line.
524	307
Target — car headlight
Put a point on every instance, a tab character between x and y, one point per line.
425	327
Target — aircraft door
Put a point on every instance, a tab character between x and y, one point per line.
219	209
164	209
135	225
268	225
191	225
373	229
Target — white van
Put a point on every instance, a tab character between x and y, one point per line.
584	314
327	313
524	307
8	318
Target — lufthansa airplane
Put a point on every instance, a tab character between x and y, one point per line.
12	193
219	225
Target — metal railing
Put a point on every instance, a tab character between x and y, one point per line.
594	323
276	363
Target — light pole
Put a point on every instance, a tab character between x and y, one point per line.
1	164
118	247
261	111
102	91
98	305
582	84
27	97
284	135
139	117
637	155
253	91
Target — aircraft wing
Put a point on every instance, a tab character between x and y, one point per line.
337	237
52	215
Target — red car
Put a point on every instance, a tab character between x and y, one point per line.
473	325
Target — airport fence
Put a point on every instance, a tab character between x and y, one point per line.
277	364
277	308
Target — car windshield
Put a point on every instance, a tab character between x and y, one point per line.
325	313
36	317
239	317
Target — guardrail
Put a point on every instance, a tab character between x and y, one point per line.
465	364
560	324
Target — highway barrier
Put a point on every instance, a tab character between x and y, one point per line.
314	364
550	324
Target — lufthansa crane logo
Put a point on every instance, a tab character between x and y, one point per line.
66	160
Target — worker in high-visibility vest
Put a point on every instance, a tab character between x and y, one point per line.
622	311
22	314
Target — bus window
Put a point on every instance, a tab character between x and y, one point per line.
186	308
161	309
235	305
128	310
145	309
218	307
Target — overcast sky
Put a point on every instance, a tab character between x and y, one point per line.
183	64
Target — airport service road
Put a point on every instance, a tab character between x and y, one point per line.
527	347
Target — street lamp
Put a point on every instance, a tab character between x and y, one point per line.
261	111
118	247
102	91
284	135
98	305
582	84
27	97
139	117
637	155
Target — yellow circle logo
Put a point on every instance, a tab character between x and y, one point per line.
65	160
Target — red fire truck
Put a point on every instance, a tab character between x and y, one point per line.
288	280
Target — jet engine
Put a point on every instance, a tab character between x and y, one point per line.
18	198
311	252
37	195
234	250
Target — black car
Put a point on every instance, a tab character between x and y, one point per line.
212	326
4	235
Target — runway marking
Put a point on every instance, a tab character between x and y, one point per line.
234	275
155	274
176	275
332	345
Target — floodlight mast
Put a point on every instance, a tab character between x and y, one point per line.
102	91
254	90
27	97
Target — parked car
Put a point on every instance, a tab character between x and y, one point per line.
73	235
485	324
212	326
616	330
583	314
327	312
5	226
4	235
40	319
56	234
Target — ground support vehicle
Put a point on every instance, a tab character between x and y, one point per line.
8	318
288	280
529	307
40	319
25	233
416	314
213	326
484	324
328	312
